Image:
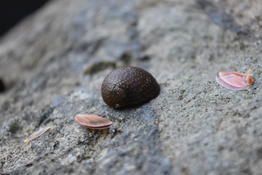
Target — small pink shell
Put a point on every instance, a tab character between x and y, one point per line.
234	80
93	121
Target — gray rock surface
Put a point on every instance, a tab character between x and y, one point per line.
54	62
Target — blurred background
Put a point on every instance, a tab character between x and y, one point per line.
13	11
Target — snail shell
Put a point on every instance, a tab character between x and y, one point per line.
128	87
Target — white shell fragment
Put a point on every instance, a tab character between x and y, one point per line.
36	134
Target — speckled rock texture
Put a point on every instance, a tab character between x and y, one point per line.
54	62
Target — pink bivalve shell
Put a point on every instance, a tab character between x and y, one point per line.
93	121
235	80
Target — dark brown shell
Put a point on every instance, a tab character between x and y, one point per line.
128	87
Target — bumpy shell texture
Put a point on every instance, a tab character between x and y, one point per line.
129	87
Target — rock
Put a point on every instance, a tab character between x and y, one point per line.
194	126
